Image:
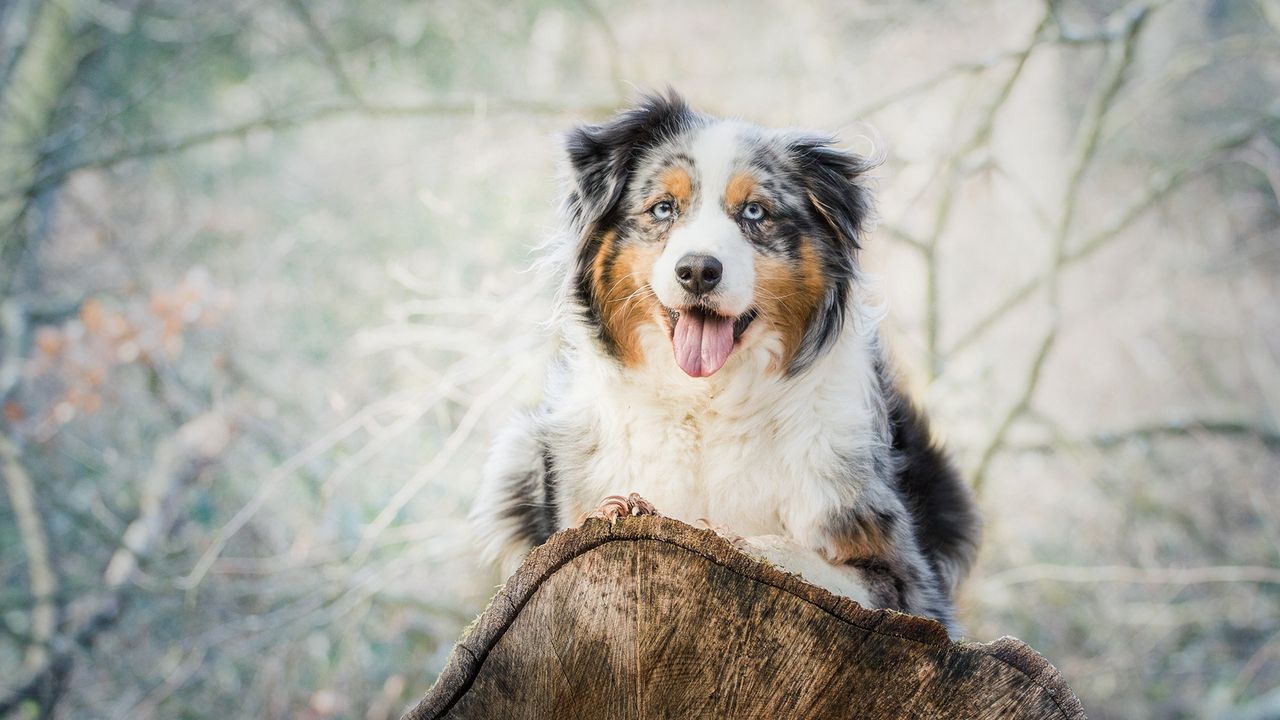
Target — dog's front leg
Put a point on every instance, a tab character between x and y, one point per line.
842	579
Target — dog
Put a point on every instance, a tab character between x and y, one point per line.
721	360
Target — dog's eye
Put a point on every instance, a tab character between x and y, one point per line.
663	210
753	212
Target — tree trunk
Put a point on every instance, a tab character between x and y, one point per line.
651	618
34	87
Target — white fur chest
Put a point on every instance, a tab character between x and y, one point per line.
746	449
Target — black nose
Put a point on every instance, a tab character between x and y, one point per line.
699	274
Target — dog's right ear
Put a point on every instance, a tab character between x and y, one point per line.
601	157
836	185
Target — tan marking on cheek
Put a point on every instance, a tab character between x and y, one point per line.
788	295
677	183
626	300
739	189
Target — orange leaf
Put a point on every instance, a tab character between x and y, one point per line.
49	340
92	315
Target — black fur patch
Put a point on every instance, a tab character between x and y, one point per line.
536	512
947	524
886	588
528	512
548	519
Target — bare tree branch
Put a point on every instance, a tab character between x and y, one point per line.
1120	53
37	80
1193	428
22	497
14	17
478	106
973	67
178	462
329	54
954	173
13	334
1159	188
1053	33
1251	667
1265	158
1135	575
35	542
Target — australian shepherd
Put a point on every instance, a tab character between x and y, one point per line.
720	359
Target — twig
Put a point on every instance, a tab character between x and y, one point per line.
13	334
272	481
904	237
44	581
1020	406
1022	190
1195	428
60	141
330	55
1255	663
451	446
972	67
1265	158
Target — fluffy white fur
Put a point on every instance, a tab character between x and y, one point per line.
746	448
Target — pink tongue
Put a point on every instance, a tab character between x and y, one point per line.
702	343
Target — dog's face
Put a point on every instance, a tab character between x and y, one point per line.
716	233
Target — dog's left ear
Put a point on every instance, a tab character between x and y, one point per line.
834	181
601	157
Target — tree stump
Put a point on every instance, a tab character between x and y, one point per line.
652	618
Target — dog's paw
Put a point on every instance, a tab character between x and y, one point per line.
616	506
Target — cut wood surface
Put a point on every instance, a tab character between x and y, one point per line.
652	618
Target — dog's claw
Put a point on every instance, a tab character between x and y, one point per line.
616	506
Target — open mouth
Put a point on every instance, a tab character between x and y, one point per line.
703	339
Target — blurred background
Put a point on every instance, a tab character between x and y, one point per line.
265	295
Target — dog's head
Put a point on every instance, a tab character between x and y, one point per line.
711	235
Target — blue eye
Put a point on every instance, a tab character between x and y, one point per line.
753	212
663	210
